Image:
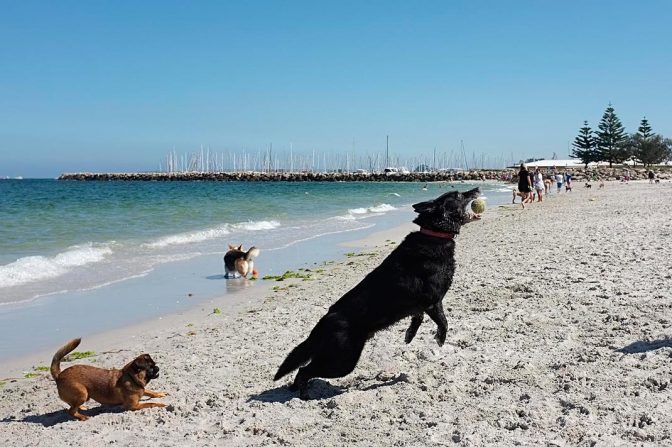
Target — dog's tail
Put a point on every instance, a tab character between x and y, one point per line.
251	253
65	350
299	355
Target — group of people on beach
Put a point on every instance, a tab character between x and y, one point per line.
533	183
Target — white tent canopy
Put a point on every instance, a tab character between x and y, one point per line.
553	164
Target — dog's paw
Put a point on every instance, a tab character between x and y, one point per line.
410	335
440	337
161	394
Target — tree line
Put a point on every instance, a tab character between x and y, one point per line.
610	143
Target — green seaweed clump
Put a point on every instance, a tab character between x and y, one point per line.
352	255
77	355
288	275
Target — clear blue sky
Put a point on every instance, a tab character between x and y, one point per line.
116	85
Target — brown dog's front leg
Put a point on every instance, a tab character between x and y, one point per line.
153	394
436	314
416	321
133	404
74	412
144	405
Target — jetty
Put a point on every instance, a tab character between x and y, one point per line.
505	175
252	176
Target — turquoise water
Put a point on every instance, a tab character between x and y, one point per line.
78	258
59	236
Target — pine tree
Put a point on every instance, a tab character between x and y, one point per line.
649	148
645	129
611	138
584	145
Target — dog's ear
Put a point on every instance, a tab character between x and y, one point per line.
232	247
142	363
240	247
472	193
424	207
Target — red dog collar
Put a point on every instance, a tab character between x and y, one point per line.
440	234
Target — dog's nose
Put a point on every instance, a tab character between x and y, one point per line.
156	368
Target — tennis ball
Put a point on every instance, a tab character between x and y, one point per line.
478	206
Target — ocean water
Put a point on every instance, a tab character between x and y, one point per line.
82	244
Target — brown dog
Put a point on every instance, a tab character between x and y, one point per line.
239	263
79	383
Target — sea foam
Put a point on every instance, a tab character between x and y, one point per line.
211	233
377	209
35	268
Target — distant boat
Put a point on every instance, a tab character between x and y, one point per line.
392	171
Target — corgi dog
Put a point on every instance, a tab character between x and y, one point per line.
239	263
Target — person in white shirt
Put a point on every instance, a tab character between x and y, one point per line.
539	184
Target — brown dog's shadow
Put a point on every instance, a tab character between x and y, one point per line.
60	416
318	390
220	276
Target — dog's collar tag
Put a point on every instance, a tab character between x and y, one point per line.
440	234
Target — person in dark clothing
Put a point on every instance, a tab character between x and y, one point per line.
651	176
524	185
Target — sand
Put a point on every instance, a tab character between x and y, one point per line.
559	325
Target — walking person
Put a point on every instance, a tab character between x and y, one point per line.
558	182
539	184
568	181
524	185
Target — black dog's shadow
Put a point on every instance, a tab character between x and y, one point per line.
60	416
400	378
641	346
319	389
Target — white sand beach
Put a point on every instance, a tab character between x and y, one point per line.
560	326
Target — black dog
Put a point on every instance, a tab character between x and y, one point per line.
411	281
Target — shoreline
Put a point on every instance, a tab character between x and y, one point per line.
248	293
145	300
567	346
